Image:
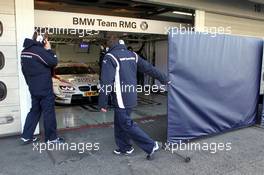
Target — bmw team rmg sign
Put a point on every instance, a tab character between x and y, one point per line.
66	20
104	23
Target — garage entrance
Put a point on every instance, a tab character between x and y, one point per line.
77	74
78	40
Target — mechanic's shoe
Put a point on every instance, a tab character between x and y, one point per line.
155	149
28	141
55	141
119	152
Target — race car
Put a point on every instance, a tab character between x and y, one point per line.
74	82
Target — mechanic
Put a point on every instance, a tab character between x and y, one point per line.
120	68
37	62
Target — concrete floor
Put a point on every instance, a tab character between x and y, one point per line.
246	156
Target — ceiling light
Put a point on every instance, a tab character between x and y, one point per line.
182	13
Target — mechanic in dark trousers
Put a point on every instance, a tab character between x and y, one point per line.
37	61
119	68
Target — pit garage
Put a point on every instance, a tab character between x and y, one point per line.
78	40
66	14
79	108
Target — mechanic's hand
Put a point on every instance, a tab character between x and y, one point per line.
103	110
47	45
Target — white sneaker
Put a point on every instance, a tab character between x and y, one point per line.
155	148
28	141
118	151
55	141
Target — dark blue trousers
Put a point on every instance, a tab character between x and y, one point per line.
44	105
126	129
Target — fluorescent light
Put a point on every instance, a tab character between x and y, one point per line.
182	13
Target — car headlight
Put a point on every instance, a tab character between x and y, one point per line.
67	88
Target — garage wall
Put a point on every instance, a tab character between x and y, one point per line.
67	53
239	26
161	57
10	121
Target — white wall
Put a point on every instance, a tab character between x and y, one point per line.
239	26
9	107
24	10
15	29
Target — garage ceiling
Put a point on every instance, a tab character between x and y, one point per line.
257	1
127	8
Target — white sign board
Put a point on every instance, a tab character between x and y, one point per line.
65	20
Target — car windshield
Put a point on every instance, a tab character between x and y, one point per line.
74	70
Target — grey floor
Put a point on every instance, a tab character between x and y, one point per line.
74	116
246	156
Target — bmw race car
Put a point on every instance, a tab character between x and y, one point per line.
74	82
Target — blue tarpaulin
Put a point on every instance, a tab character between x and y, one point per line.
215	84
